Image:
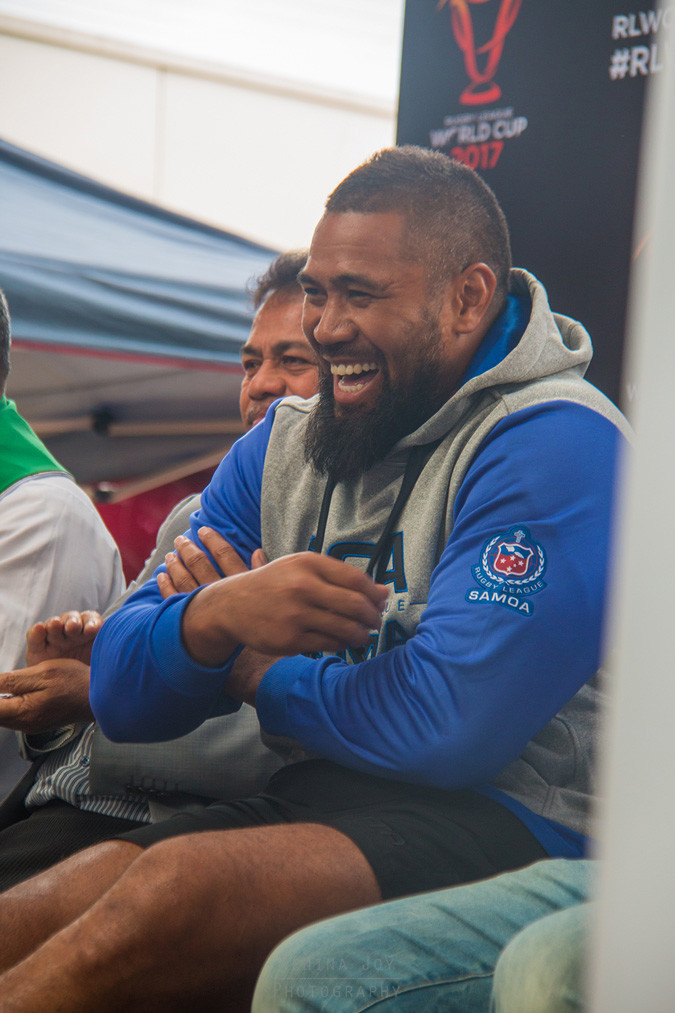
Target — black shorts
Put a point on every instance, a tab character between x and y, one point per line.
415	838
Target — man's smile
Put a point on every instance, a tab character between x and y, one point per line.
340	369
351	378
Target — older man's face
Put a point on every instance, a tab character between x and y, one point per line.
277	358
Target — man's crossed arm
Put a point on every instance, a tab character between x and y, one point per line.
53	689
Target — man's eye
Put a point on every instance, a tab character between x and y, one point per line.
355	293
297	362
250	365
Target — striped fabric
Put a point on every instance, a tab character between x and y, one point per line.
64	775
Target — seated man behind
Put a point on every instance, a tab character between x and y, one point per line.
83	788
55	551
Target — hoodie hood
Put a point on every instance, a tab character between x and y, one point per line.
552	346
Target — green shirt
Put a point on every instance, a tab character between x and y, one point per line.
22	453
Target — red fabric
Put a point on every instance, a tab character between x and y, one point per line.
134	522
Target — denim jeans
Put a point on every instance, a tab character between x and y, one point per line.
430	952
542	968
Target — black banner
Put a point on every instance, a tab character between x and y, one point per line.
545	100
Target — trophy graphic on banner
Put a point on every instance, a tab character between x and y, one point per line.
483	88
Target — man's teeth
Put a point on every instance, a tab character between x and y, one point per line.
356	367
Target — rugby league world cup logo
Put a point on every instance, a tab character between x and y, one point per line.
483	88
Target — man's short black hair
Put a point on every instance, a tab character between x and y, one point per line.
5	332
280	276
453	216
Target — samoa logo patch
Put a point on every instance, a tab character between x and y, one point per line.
511	568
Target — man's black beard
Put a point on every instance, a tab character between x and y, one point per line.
344	447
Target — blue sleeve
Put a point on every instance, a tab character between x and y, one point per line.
463	696
144	685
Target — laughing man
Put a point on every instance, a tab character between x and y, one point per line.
456	453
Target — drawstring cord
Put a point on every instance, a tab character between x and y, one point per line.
377	565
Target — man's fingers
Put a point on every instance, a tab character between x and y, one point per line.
336	636
82	624
181	579
195	561
36	637
56	626
45	695
12	711
228	559
20	714
352	606
73	627
22	680
334	586
258	559
166	585
6	686
336	604
337	572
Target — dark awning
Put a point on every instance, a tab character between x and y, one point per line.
126	319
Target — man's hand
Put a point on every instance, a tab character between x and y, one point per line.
301	602
70	635
45	696
189	567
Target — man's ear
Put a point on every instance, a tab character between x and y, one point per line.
473	291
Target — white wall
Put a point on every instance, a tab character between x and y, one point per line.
262	164
83	110
252	156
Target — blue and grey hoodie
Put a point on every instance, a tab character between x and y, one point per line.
483	673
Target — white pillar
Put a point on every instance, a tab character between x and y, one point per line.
633	970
